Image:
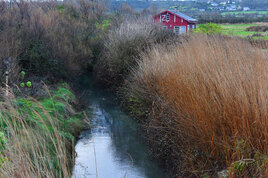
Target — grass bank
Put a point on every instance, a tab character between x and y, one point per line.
241	31
243	13
203	104
38	136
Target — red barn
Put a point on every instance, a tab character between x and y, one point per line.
176	21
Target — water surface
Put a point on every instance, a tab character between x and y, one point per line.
113	147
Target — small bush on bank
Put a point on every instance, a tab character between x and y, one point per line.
38	136
203	104
124	45
37	59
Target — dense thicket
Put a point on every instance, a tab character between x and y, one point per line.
50	39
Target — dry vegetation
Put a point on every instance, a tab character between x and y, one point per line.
123	47
262	44
50	42
202	100
48	39
204	105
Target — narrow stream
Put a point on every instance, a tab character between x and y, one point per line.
113	147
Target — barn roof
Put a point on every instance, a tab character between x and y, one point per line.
185	17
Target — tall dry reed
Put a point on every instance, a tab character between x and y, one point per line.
204	105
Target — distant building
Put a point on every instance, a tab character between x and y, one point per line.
233	6
230	9
176	21
214	4
246	8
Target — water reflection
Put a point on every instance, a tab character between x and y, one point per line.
113	148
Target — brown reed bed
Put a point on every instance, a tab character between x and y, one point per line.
204	105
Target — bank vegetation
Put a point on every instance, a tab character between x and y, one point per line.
201	99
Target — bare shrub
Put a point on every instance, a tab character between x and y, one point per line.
125	44
203	104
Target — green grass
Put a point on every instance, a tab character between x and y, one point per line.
58	107
240	30
39	133
245	12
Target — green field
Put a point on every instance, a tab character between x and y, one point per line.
245	12
240	30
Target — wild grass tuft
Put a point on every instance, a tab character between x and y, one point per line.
37	137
